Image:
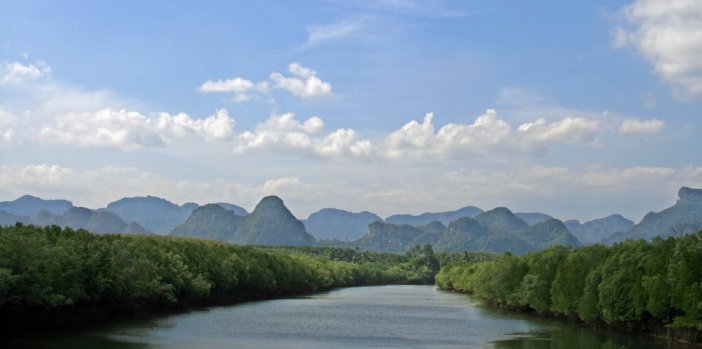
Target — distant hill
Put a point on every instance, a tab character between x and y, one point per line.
29	206
96	221
428	217
684	217
271	223
598	230
212	222
157	214
532	218
547	233
332	223
238	210
153	213
389	237
7	218
497	230
501	219
463	234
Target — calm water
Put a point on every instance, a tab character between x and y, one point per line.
363	317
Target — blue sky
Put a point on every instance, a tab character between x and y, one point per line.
577	109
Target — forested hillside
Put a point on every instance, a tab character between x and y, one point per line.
635	284
53	275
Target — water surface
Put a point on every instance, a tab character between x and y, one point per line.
362	317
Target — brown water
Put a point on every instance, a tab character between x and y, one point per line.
362	317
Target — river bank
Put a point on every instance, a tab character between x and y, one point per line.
51	276
635	286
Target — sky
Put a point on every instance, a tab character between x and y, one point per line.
578	109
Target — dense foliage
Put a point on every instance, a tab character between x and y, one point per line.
419	264
625	284
47	270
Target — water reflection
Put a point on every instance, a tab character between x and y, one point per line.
363	317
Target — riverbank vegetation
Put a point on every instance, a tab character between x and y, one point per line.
634	285
52	275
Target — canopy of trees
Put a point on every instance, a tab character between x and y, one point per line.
48	274
629	283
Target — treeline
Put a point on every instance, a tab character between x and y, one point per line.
52	275
635	285
419	264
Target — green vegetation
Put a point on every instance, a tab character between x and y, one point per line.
633	284
51	275
496	231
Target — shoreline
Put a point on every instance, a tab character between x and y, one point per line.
688	336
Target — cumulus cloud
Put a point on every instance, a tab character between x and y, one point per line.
303	82
131	130
487	133
284	134
669	35
241	88
569	130
218	126
641	127
15	72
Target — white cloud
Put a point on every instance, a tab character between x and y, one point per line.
218	126
568	130
7	137
241	88
412	139
15	72
284	134
304	82
641	127
276	185
7	133
669	34
317	34
343	142
487	133
229	85
131	130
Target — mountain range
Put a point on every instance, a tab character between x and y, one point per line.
271	223
159	215
332	223
598	230
127	215
428	217
684	217
498	230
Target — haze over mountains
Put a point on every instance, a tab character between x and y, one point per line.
684	217
271	223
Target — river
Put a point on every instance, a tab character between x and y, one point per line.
361	317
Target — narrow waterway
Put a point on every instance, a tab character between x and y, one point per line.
362	317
